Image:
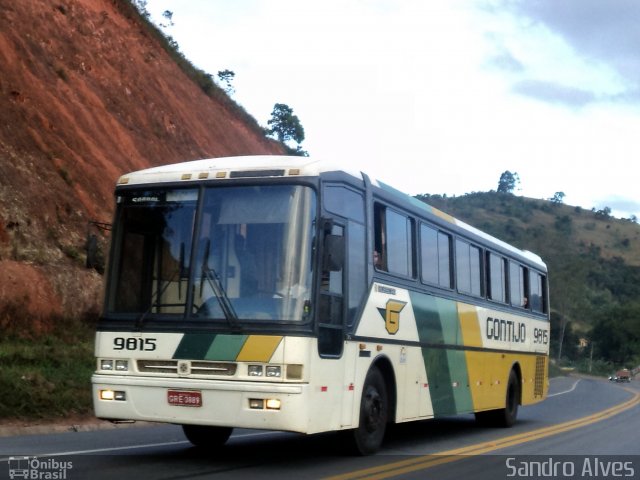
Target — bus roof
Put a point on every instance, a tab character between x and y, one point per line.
265	166
234	167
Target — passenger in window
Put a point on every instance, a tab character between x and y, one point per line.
525	302
377	260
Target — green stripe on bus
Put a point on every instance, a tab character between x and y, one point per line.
226	347
460	381
437	324
194	346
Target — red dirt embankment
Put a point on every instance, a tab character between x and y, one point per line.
86	94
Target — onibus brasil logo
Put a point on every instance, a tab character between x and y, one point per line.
35	468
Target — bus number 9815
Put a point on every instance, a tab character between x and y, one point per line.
133	343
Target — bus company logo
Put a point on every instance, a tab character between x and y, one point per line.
36	469
506	330
391	315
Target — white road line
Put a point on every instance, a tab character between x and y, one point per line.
573	387
130	447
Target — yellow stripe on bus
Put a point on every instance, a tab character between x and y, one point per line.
259	348
444	216
469	325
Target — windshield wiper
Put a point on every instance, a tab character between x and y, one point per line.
154	301
218	290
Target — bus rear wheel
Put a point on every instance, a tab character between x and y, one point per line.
374	414
205	436
504	417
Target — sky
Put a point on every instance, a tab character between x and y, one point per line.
441	97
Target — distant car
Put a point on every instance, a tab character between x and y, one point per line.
623	375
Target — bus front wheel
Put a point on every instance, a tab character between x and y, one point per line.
374	414
205	436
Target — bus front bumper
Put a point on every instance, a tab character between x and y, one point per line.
202	402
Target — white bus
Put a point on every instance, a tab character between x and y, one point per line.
283	293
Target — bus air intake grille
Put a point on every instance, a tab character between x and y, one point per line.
538	387
196	368
213	368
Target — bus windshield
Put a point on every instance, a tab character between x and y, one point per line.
229	254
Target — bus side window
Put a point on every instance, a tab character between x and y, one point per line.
496	277
469	268
518	282
537	284
393	242
435	247
380	241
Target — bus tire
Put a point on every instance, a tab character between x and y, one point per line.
374	414
504	417
206	436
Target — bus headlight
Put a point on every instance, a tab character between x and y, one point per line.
110	365
273	371
106	364
122	365
273	404
262	404
255	370
112	395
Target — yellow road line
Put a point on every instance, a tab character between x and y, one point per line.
424	462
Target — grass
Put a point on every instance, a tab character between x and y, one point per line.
47	377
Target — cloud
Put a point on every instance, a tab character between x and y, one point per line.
603	31
623	206
554	93
504	60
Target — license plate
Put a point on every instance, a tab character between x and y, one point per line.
189	398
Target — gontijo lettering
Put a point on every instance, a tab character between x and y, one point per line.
506	330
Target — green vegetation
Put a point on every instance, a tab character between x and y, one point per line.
45	376
508	182
226	78
594	271
286	127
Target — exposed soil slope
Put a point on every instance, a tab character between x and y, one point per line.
86	94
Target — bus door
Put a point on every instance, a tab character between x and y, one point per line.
342	289
334	316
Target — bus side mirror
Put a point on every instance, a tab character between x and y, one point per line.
333	260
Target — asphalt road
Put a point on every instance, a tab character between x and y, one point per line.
586	428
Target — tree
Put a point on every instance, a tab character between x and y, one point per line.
226	77
141	6
618	334
168	14
558	198
508	182
604	212
285	125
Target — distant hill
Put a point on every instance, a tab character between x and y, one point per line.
530	221
89	89
593	261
